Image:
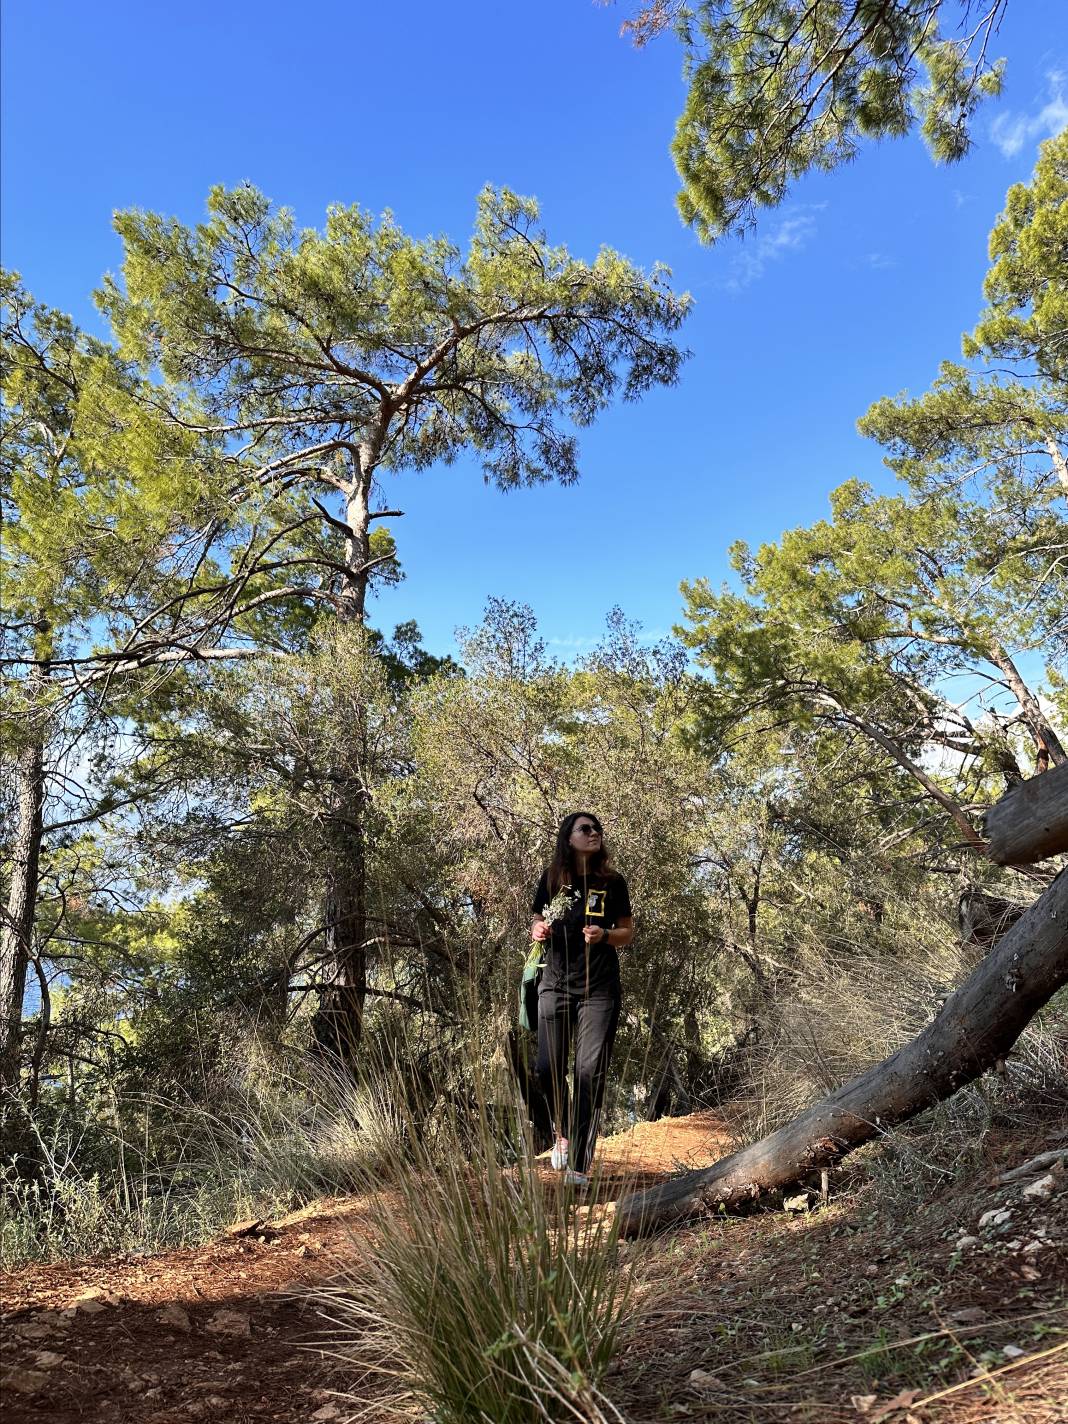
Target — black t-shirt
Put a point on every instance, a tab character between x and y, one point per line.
570	964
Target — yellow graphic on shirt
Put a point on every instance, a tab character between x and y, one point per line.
595	904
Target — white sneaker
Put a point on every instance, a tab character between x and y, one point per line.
559	1154
575	1179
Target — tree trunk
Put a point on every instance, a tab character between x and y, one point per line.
1030	822
895	750
358	549
1041	728
978	1025
1059	462
337	1029
20	915
16	933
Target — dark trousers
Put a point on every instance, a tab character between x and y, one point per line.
590	1026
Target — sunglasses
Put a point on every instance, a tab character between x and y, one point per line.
587	830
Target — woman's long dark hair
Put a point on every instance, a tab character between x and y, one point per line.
562	868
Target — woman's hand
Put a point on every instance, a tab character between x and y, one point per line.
539	930
594	934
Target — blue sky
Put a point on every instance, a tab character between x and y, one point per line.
856	288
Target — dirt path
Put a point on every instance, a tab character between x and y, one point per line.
221	1331
226	1331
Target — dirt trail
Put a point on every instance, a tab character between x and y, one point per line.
795	1318
221	1331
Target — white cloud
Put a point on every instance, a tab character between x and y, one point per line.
793	232
879	261
1012	131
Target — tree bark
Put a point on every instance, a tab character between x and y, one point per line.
358	550
20	914
337	1028
16	933
1059	462
977	1025
1030	822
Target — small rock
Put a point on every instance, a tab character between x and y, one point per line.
245	1228
229	1322
968	1315
996	1216
1040	1190
797	1203
175	1317
863	1403
48	1359
965	1242
25	1381
1032	1247
30	1330
1012	1352
209	1406
328	1411
700	1379
871	1271
51	1318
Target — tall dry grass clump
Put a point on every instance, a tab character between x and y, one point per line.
156	1173
480	1292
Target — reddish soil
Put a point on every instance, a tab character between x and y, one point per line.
227	1331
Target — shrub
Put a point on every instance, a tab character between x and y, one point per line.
480	1290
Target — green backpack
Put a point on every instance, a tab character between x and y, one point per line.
528	989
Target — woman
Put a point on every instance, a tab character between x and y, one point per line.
582	909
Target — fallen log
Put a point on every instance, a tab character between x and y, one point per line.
976	1026
1030	822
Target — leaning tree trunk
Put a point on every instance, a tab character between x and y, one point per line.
1030	822
978	1025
